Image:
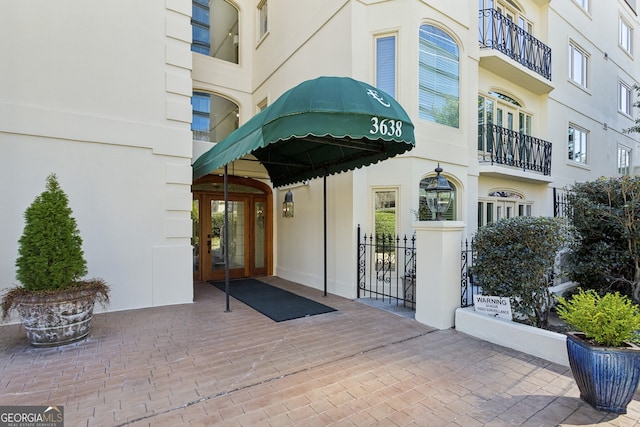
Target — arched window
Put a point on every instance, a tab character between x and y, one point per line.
439	85
214	117
214	28
424	213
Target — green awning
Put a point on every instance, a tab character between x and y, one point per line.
320	127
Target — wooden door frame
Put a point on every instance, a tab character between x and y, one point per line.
266	195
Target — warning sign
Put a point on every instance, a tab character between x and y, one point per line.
493	306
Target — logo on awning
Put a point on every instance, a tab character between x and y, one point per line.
375	95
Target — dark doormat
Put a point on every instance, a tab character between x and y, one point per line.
276	303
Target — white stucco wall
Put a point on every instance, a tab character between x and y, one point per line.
100	96
596	106
108	111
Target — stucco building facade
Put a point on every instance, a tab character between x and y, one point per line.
511	98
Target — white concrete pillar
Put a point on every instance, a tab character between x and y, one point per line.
438	272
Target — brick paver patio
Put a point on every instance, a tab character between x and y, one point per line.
196	365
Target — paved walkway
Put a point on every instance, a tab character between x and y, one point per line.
196	365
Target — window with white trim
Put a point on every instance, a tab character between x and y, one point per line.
214	29
500	204
577	144
439	77
502	110
578	65
262	19
624	160
213	117
385	218
625	103
625	35
200	33
583	4
386	64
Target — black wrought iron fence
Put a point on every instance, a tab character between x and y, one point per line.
560	203
500	32
498	145
387	268
468	283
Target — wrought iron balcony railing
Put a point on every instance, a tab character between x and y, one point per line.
498	145
497	31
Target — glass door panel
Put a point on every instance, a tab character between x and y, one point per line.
216	235
259	240
195	237
249	235
212	244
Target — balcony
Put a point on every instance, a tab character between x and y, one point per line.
509	51
512	150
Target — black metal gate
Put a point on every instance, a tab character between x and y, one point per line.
468	285
387	268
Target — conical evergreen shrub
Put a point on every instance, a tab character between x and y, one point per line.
50	252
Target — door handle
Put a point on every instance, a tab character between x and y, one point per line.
208	243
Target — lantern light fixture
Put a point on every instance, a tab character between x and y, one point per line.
287	205
439	194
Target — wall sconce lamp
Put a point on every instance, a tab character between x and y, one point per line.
439	194
287	205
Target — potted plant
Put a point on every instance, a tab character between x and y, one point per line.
604	361
54	303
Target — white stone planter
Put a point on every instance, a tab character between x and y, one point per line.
537	342
57	319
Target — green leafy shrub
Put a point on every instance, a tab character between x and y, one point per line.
608	320
217	221
605	215
50	252
385	230
515	257
386	222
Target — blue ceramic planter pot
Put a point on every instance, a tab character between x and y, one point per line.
606	377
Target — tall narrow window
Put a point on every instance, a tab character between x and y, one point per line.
439	81
485	122
624	160
578	65
624	98
583	4
200	34
262	19
577	145
385	212
214	29
262	104
625	35
489	213
200	122
386	64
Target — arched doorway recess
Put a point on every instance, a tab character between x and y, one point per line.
250	228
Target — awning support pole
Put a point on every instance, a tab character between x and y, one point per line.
325	234
226	238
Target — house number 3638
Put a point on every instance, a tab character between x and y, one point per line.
388	127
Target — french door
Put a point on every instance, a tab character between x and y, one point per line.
249	245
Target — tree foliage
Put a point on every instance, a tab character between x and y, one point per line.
636	127
50	252
515	257
605	214
449	114
386	222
